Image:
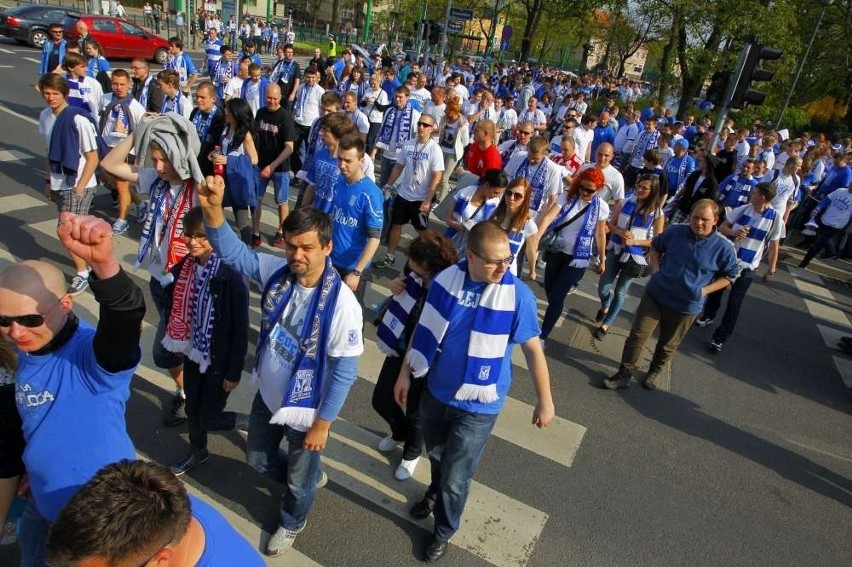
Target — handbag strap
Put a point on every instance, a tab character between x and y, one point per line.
572	219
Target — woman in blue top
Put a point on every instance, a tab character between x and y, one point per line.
633	224
96	62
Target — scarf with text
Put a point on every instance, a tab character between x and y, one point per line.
172	215
586	237
390	331
639	225
398	129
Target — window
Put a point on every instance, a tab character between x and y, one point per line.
103	26
130	29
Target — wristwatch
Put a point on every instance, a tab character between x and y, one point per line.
356	273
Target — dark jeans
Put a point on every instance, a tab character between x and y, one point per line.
732	310
205	400
455	440
361	290
302	133
300	472
372	134
824	239
559	278
33	536
405	425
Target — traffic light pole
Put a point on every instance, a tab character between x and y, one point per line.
732	87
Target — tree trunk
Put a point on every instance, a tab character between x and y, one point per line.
358	20
668	52
533	15
335	14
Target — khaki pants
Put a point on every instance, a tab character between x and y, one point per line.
649	315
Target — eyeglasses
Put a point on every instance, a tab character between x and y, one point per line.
587	189
490	262
525	132
425	125
30	321
514	195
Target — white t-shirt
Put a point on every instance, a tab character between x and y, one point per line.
422	96
110	135
377	97
275	367
583	141
839	210
361	121
552	178
88	142
155	262
613	189
306	107
253	95
529	229
421	160
785	189
775	232
234	88
572	231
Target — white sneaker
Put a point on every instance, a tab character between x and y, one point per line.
387	444
281	541
405	470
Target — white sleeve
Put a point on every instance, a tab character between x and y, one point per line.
436	159
346	324
86	131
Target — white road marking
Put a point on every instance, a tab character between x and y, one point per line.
18	114
12	203
33	60
4	50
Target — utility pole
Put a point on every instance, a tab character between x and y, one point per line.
732	87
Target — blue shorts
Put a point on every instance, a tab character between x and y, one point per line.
281	184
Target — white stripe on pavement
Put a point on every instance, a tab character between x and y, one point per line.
4	50
33	60
18	114
13	203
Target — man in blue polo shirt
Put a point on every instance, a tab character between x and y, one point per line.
688	263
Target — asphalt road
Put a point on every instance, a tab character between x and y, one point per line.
744	459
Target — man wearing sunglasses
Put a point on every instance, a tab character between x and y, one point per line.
73	380
53	50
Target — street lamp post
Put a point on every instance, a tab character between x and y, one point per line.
825	5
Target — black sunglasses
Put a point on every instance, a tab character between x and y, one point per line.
30	321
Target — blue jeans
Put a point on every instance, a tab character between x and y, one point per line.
300	469
455	440
559	278
280	183
33	536
612	292
732	310
162	358
387	167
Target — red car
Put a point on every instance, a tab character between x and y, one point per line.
119	38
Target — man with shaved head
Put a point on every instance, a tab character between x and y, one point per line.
73	380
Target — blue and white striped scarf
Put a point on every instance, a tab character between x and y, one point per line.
507	153
646	141
489	338
389	128
536	181
629	219
303	394
586	237
389	333
483	212
758	231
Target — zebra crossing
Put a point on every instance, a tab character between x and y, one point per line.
499	529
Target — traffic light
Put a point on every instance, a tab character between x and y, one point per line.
435	33
718	87
743	94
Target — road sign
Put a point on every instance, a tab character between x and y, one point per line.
461	14
455	26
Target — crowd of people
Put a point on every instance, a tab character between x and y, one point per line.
523	166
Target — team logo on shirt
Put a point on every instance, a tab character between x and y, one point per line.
352	338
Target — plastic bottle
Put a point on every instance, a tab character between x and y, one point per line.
218	168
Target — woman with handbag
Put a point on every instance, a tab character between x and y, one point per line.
579	222
237	154
474	204
634	222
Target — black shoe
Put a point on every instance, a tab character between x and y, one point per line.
619	380
177	413
422	509
650	381
599	316
191	461
436	550
600	333
715	345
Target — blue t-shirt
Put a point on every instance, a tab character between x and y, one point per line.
223	545
600	135
835	178
73	419
447	373
687	265
323	174
355	210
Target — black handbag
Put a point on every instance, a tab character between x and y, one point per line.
552	240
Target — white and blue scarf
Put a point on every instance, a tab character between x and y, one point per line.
483	211
390	128
507	153
173	105
536	181
391	329
489	338
303	394
629	219
583	244
758	231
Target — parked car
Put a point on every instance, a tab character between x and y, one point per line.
28	24
119	38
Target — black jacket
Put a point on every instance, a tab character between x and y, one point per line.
229	343
691	194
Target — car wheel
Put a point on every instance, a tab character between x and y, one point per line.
160	56
38	37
